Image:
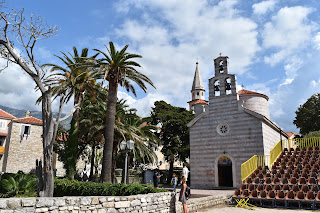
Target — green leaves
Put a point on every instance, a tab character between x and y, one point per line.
120	63
64	187
308	115
174	133
18	185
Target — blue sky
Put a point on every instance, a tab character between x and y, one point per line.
273	46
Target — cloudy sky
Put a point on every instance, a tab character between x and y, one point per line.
273	46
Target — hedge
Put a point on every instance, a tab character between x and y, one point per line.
65	187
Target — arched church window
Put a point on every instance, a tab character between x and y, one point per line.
228	86
197	93
217	88
221	70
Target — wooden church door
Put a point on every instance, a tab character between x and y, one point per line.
225	172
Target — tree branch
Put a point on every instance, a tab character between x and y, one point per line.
70	113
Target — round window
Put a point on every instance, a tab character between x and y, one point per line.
223	129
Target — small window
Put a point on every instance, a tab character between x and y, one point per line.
3	124
25	131
197	93
223	129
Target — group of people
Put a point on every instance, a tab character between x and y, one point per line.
183	196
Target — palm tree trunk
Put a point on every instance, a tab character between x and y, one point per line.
92	160
109	131
114	160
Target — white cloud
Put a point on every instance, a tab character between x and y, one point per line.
142	105
17	89
291	69
289	31
171	39
263	7
316	40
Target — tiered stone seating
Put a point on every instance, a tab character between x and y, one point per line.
292	182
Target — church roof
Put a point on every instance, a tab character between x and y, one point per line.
197	80
245	92
199	101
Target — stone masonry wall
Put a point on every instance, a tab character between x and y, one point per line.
256	103
270	138
22	154
206	146
157	202
195	204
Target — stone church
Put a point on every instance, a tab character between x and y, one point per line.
228	129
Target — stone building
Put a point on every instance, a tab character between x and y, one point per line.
5	119
228	130
23	145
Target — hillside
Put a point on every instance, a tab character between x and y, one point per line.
19	113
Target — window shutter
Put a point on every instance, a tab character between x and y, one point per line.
29	130
22	129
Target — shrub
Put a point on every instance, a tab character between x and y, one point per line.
17	185
64	187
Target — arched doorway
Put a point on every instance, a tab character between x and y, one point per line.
225	171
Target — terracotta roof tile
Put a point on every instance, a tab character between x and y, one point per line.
5	114
199	102
292	133
248	92
30	120
3	134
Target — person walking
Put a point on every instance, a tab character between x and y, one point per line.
156	179
182	196
185	171
174	181
84	175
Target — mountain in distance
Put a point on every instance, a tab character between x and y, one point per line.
20	113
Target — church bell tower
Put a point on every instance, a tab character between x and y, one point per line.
222	84
197	104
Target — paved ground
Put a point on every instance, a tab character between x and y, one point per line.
202	193
231	209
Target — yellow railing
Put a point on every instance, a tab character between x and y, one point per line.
302	142
265	160
275	152
1	149
252	164
248	167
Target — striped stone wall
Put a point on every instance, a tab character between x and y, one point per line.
271	136
245	139
256	103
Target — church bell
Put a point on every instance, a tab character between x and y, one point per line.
228	86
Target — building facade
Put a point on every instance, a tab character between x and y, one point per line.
232	128
23	145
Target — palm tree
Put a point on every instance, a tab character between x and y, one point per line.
74	79
119	69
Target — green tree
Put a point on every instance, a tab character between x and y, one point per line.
312	134
73	79
119	68
308	115
174	134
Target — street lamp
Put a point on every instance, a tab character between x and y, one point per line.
126	146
